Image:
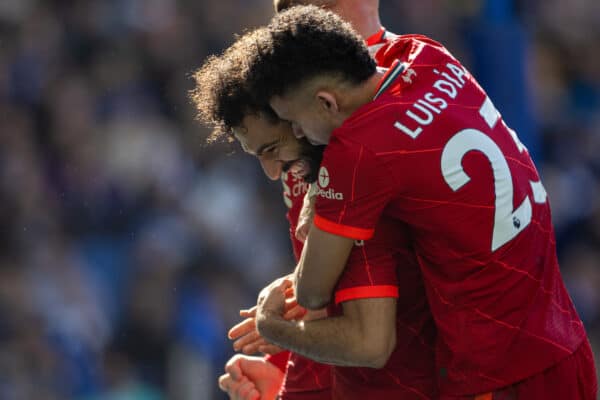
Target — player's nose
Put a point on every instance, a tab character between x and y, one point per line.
272	168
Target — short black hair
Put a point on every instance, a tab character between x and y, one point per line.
221	96
282	5
305	42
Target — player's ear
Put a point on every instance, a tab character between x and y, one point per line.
327	102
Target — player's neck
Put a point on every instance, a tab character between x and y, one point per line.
369	26
364	17
357	96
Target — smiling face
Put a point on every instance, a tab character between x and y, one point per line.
277	149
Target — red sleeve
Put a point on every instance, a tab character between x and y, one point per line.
280	360
372	269
354	188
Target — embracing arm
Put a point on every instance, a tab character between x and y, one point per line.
364	336
322	262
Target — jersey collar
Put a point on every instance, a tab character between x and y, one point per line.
390	76
376	38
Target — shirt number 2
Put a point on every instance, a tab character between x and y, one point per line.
508	222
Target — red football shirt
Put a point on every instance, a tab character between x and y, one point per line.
432	151
294	189
386	266
304	374
372	271
304	379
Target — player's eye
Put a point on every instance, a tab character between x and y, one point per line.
269	150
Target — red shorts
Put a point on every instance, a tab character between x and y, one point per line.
573	378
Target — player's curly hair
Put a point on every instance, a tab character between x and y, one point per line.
221	96
282	5
305	42
300	43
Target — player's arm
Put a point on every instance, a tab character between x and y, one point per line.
361	183
364	336
322	262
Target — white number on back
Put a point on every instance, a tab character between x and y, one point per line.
507	222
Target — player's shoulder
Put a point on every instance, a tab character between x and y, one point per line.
410	48
362	132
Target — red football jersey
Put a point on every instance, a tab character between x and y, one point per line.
386	266
372	271
294	189
432	151
280	360
304	378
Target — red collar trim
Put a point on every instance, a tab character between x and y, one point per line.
376	38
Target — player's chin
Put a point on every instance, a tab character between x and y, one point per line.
299	167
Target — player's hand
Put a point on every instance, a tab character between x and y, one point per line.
248	340
302	228
250	378
242	389
253	342
306	214
271	305
271	299
293	311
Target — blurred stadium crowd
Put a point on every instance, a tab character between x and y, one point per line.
127	246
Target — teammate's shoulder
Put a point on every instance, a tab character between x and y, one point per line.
413	39
406	47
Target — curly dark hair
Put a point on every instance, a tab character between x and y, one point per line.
306	42
282	5
221	95
299	44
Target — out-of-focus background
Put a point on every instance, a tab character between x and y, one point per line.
127	246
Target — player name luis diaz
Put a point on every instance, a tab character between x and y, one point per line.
424	110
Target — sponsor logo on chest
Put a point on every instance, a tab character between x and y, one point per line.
324	189
293	188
